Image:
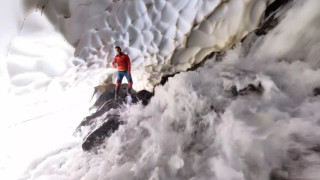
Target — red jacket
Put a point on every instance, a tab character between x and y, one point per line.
123	62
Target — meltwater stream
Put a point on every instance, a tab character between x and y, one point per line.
195	127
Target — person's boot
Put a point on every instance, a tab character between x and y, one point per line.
116	93
129	90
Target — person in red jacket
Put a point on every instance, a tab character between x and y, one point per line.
124	69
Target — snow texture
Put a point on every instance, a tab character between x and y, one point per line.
161	37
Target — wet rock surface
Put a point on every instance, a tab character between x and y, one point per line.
144	96
106	118
105	130
316	91
214	56
106	92
273	13
271	16
251	89
278	175
275	6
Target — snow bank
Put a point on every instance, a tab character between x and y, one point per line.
39	125
38	54
9	23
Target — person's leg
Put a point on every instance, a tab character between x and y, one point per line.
129	79
119	80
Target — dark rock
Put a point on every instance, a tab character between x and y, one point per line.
107	106
218	56
234	91
268	25
251	89
215	56
271	19
97	137
164	79
144	96
106	93
103	122
278	175
316	91
276	5
315	149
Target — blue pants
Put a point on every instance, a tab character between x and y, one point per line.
120	77
119	80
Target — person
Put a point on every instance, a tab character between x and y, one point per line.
124	70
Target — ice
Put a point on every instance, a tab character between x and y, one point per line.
170	23
94	28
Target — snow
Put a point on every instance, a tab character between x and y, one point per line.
38	49
9	30
37	127
193	127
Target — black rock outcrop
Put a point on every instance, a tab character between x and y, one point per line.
316	91
97	136
106	119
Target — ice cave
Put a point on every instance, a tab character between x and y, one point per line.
221	90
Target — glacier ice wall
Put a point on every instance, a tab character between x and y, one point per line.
161	37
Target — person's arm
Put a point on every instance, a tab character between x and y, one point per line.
129	64
113	63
